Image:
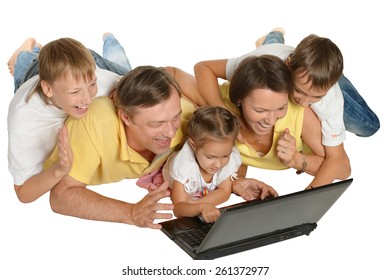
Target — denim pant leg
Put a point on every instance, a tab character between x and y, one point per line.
274	37
108	65
358	117
113	51
22	69
114	56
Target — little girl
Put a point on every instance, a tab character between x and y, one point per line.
201	173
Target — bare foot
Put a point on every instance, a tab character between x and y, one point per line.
260	41
27	45
107	34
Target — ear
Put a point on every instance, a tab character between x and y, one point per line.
192	144
288	62
46	88
124	117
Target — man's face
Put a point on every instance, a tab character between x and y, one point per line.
152	129
72	95
304	95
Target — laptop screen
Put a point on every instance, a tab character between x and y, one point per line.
254	218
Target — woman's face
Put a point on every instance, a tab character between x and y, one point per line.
262	108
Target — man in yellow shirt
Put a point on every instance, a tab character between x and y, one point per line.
128	140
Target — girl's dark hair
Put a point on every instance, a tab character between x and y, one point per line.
210	123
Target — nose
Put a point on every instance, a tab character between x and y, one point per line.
271	118
217	163
87	97
169	130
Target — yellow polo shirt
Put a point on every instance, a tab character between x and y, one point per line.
293	121
100	150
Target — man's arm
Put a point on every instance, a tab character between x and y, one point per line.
71	197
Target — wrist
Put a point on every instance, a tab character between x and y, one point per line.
303	164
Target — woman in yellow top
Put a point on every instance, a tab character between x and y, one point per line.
272	129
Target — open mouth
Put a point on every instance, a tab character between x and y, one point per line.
81	109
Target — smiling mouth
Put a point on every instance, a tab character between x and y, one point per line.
264	125
81	107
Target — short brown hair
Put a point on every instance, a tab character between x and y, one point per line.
144	86
320	59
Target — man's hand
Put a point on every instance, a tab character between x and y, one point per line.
250	189
146	211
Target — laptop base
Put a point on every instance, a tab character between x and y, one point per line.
248	244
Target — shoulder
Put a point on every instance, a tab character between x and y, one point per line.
101	111
331	104
106	81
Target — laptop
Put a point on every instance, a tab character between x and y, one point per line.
251	224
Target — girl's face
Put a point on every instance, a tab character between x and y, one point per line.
71	95
213	155
262	108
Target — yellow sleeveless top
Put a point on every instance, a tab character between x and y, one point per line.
293	121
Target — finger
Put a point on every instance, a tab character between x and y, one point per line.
162	206
162	216
162	188
154	226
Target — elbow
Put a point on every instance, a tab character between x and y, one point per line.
171	70
345	170
23	196
177	213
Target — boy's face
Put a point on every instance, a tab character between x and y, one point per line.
152	128
304	95
71	95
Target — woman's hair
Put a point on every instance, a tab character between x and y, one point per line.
144	86
320	59
58	58
209	123
260	72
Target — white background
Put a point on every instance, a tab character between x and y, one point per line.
350	241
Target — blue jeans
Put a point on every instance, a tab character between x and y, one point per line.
358	117
114	59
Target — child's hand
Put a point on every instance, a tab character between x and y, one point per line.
286	148
210	213
65	156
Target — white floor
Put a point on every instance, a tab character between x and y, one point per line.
350	241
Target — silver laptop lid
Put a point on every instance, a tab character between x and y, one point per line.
254	218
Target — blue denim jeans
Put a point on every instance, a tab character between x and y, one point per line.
114	59
358	116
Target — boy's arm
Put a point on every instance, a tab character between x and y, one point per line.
71	197
41	183
206	75
335	164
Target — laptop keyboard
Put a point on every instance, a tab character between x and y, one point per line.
195	236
